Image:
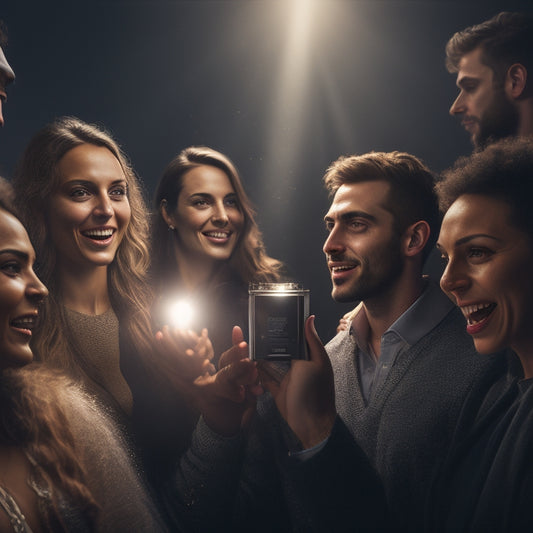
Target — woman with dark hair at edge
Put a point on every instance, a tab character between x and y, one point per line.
84	211
207	246
486	240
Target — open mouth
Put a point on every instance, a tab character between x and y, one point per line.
98	234
24	324
217	236
340	273
477	315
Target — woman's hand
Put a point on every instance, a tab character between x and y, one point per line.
183	354
225	398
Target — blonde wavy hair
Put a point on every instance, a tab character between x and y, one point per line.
36	179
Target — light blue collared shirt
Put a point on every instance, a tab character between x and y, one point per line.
423	315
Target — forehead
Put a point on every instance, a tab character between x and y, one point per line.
471	66
89	162
13	235
473	214
206	179
367	196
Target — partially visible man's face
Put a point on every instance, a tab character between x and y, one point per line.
363	249
6	77
485	110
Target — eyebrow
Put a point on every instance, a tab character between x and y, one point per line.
352	214
209	195
91	183
466	79
18	253
468	238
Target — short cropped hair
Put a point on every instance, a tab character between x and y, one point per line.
411	197
504	171
505	39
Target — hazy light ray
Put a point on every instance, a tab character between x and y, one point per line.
291	92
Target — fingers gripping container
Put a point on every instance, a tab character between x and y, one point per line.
276	316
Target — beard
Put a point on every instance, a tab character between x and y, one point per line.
378	273
500	120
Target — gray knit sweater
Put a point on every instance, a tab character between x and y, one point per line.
407	425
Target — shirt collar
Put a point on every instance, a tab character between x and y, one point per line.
424	314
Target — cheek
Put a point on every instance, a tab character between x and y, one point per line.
192	220
237	220
63	218
124	214
11	293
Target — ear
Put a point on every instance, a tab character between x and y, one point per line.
415	238
169	220
515	80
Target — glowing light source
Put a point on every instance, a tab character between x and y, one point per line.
180	314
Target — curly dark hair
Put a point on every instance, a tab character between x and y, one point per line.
504	170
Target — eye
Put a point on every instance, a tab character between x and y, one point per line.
11	268
118	192
329	226
79	193
470	87
231	202
479	254
200	202
358	225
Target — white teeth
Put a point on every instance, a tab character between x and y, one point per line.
216	234
24	322
102	233
339	269
468	310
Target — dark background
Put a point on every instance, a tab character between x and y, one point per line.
281	86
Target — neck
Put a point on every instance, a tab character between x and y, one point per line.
86	292
522	348
383	310
525	125
195	272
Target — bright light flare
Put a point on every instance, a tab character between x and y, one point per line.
180	314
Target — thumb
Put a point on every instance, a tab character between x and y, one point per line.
317	352
236	335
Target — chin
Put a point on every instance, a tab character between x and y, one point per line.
486	348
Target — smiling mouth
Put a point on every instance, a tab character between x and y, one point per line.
217	235
98	234
24	324
477	313
336	269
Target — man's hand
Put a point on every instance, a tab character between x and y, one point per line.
305	396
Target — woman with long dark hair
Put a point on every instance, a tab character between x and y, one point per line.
207	246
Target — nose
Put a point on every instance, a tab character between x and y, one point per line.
36	290
220	216
334	243
458	106
454	279
103	207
